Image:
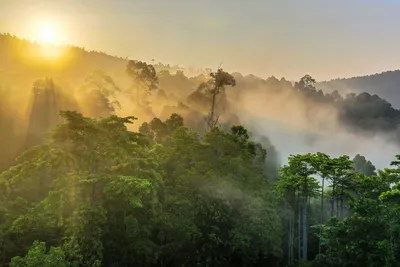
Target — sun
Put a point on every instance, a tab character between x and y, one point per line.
47	34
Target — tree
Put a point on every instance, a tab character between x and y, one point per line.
306	85
38	256
99	95
113	197
369	235
361	165
95	165
214	87
341	181
323	164
297	177
144	77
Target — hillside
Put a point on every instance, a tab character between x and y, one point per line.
20	62
30	60
106	161
275	110
385	84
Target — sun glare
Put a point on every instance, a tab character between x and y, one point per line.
46	30
46	34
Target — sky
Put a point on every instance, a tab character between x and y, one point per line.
326	39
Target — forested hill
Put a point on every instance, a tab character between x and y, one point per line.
23	60
385	84
113	162
18	64
311	115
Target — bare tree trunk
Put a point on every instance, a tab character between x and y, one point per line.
298	228
290	238
322	215
333	201
211	119
305	230
341	202
337	208
391	239
213	108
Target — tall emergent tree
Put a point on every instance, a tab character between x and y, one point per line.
341	180
214	87
144	78
323	165
297	179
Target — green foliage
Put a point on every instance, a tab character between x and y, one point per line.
370	236
161	196
38	256
100	195
94	193
363	166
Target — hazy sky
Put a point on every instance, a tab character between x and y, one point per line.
327	39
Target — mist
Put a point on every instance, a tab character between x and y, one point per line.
289	140
294	120
296	125
117	161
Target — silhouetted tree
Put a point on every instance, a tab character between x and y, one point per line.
144	77
214	87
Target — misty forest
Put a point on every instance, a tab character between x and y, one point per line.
109	161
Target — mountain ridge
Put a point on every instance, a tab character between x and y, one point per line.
385	84
299	105
189	70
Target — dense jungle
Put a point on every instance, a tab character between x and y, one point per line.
109	161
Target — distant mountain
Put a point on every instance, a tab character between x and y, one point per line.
385	84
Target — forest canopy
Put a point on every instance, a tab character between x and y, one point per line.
137	164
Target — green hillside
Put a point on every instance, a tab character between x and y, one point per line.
107	161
